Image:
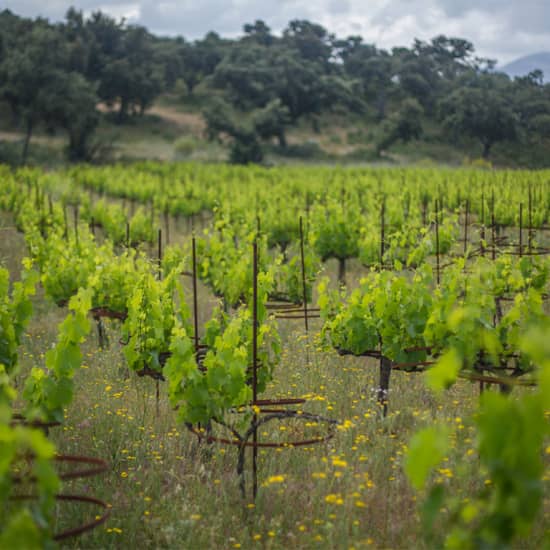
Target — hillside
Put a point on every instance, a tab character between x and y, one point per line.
524	65
173	129
261	98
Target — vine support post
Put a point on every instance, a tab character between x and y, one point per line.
101	334
482	229
530	221
304	286
166	227
195	306
92	225
157	393
520	229
127	234
342	271
42	218
493	227
37	196
384	384
382	233
308	207
437	260
159	254
75	220
466	220
65	222
424	213
255	369
157	397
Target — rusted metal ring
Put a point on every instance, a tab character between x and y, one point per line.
19	419
280	402
96	466
331	423
75	531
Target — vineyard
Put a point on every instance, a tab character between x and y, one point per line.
197	356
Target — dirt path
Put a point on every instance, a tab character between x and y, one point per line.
192	122
19	136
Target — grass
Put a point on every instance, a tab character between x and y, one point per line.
167	491
173	129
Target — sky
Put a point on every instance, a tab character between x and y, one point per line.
500	29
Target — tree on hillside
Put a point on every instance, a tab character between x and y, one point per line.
417	76
72	106
482	110
29	73
132	78
271	120
451	57
168	53
79	42
125	61
531	102
105	36
405	125
372	68
221	120
259	33
311	40
295	71
191	66
246	133
200	59
39	79
247	76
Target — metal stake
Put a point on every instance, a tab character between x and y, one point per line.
255	370
195	306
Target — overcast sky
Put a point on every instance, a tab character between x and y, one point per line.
500	29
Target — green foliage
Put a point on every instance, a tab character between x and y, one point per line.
223	379
406	125
154	309
54	75
481	111
66	265
335	230
15	312
23	524
510	437
48	391
115	278
445	372
387	313
426	450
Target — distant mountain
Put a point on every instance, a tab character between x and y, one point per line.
524	65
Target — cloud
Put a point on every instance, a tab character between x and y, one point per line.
502	29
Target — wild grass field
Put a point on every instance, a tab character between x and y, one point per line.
168	491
